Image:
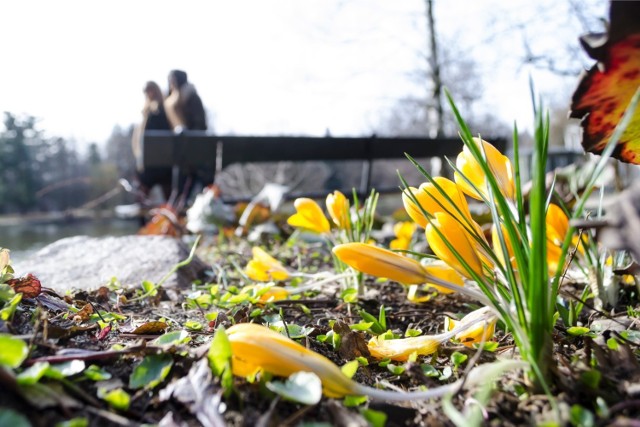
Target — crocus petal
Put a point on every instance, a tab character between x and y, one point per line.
440	270
433	200
497	247
499	164
309	215
557	224
338	208
400	244
257	348
553	257
404	229
257	271
461	241
275	293
444	272
272	293
263	267
381	262
401	349
412	209
482	330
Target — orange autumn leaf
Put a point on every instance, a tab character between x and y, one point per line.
605	91
29	286
164	222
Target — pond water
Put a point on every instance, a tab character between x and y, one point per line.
24	239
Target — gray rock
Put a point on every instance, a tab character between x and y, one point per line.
83	263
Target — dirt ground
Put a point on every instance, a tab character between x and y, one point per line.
595	376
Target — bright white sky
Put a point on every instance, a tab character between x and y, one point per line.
261	66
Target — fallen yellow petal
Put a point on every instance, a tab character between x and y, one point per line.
273	293
401	349
483	330
257	348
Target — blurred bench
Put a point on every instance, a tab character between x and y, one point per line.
195	150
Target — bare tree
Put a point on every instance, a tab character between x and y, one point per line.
434	65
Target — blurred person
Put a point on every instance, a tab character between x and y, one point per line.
185	111
183	105
154	117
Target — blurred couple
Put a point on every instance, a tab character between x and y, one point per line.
181	109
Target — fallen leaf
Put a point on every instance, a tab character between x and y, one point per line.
606	90
353	344
150	328
164	222
104	332
29	286
84	314
196	392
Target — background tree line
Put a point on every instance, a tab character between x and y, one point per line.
39	173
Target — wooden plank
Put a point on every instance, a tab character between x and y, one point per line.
192	150
276	149
161	148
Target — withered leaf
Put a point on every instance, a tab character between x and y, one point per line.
353	344
104	332
605	91
150	328
60	332
102	294
164	222
84	314
29	286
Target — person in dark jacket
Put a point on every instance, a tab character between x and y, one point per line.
185	111
183	104
154	117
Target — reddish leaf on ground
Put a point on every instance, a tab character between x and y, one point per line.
607	88
104	332
164	222
29	286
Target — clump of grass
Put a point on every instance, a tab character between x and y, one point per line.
519	271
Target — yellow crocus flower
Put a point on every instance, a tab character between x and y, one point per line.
461	241
432	201
404	232
553	258
309	215
264	268
256	348
499	164
497	247
478	329
381	262
557	224
338	208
